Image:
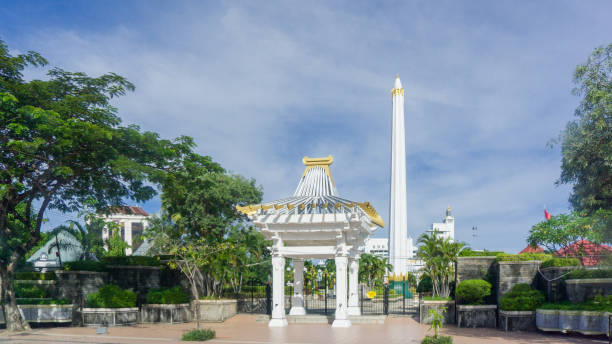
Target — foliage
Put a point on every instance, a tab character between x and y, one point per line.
560	262
468	252
88	235
111	296
62	145
598	304
584	274
130	261
437	320
372	269
439	255
585	142
436	298
521	298
30	291
199	335
438	340
563	230
38	301
35	276
523	257
116	245
85	265
173	296
473	292
425	284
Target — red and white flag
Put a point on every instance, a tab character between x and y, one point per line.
547	215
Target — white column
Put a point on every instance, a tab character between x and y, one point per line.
398	221
297	301
278	292
128	236
341	318
353	298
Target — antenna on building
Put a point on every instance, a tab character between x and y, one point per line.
474	230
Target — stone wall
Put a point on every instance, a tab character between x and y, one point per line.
551	282
512	273
475	268
425	306
581	290
139	279
75	286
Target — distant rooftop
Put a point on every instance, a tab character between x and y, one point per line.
127	210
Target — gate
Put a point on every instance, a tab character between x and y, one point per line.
254	298
320	300
385	300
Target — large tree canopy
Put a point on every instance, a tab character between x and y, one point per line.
62	144
586	142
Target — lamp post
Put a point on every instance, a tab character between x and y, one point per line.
474	229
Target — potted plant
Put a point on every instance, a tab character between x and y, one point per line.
472	312
517	308
437	320
111	306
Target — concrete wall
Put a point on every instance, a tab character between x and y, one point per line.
139	279
425	306
512	273
551	282
581	290
475	268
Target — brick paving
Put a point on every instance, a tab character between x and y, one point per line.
244	329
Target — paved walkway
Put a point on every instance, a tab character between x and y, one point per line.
243	329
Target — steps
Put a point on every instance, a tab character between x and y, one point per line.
326	319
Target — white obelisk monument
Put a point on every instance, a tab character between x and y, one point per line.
399	250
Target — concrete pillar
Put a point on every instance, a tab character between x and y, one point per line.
297	301
341	318
353	298
278	292
128	236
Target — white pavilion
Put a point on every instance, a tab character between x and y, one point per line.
315	223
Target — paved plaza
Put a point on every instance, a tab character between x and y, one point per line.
244	329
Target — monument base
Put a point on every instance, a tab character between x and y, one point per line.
341	323
354	310
277	323
297	311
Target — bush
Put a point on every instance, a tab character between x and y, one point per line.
172	296
438	340
111	296
130	260
560	262
521	298
36	301
598	304
523	257
85	265
35	276
425	284
199	335
473	292
470	253
30	291
583	273
436	298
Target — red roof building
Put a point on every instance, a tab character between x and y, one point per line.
127	210
588	252
531	249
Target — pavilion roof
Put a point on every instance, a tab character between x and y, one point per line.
316	193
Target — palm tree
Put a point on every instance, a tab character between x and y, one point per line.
439	255
88	236
372	269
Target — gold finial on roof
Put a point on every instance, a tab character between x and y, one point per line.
319	162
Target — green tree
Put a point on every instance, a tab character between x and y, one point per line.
586	142
87	234
439	255
62	144
372	269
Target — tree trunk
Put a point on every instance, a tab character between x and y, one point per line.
196	295
12	316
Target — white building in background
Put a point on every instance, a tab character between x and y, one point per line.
132	221
377	247
447	227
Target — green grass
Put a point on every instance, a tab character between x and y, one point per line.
560	262
583	273
438	340
199	335
436	298
36	301
523	257
598	304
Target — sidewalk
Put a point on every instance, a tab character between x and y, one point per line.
243	329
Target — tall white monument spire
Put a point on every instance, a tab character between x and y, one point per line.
398	221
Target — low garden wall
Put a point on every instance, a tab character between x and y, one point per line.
150	313
585	322
135	277
581	290
551	282
217	310
44	313
109	316
477	316
517	321
426	305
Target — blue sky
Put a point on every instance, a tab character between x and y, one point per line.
261	84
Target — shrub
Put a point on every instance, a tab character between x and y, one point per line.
598	304
30	291
174	296
130	260
36	301
470	253
111	296
425	284
436	298
521	298
560	262
35	276
583	273
437	340
199	335
523	257
85	265
473	292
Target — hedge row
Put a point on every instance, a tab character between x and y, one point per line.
36	301
111	296
584	273
174	296
560	262
521	298
35	276
598	304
